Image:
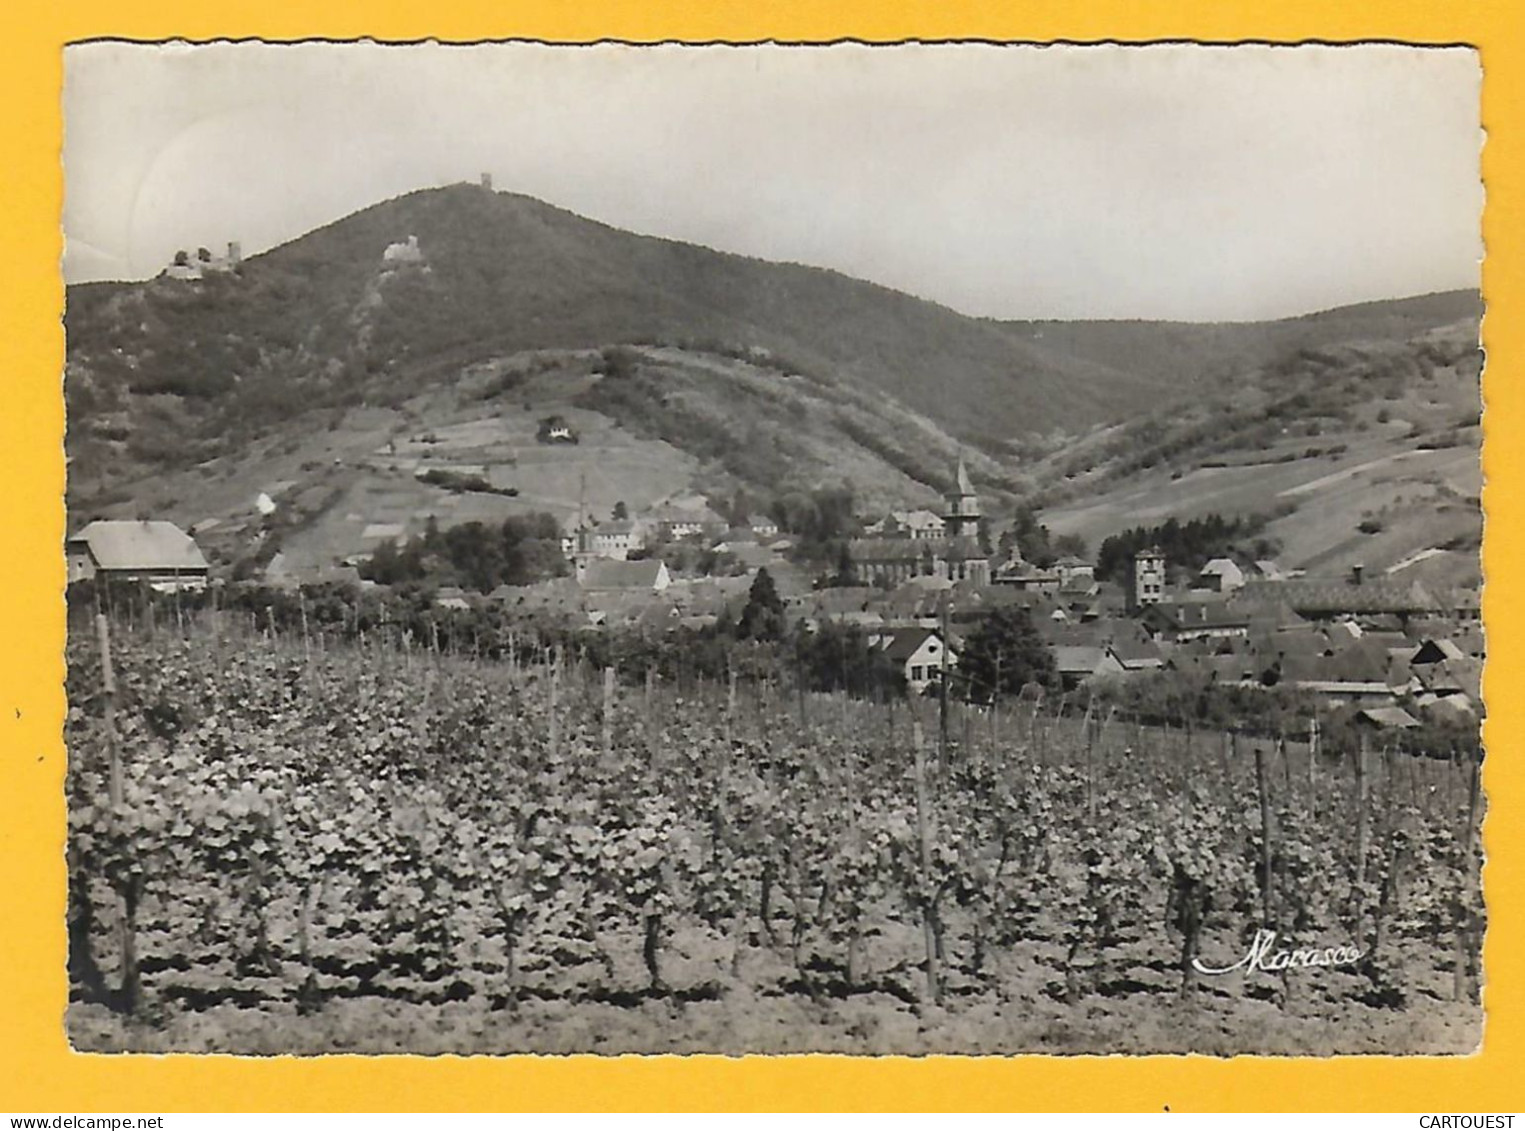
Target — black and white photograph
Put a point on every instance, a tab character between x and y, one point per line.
917	549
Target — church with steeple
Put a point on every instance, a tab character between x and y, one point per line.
955	556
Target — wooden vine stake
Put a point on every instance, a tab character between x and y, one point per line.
995	712
1467	940
555	720
130	889
1263	787
608	716
108	701
1360	893
730	709
924	835
649	709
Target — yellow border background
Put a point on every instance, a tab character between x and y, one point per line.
39	1073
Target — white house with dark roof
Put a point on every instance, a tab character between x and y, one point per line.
919	652
157	552
1221	575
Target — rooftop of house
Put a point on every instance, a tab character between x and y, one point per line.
1199	614
609	573
1072	659
147	544
903	643
1388	718
1135	653
672	513
1329	597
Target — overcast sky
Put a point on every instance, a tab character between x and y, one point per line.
1017	182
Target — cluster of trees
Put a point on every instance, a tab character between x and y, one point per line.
1033	540
1189	545
457	482
1180	699
474	555
1002	656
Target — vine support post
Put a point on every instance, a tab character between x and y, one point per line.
1088	731
129	891
1286	762
942	684
1466	928
306	644
995	710
924	837
1361	789
1263	788
730	706
648	709
108	701
554	723
608	715
1313	756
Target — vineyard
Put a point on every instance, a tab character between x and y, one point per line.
282	845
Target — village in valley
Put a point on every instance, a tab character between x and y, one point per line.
1393	653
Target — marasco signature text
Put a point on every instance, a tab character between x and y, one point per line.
1261	956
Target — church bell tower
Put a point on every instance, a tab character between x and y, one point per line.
962	517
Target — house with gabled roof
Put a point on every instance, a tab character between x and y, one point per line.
1386	718
1436	650
1338	599
147	550
611	574
1077	665
1184	621
918	652
1221	575
1133	656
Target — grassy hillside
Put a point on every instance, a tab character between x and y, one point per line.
325	375
1196	354
652	424
172	370
1359	452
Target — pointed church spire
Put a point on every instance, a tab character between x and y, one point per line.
965	486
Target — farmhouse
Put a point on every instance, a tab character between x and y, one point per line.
1221	575
673	523
918	652
761	525
1028	578
1078	664
1180	622
159	553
